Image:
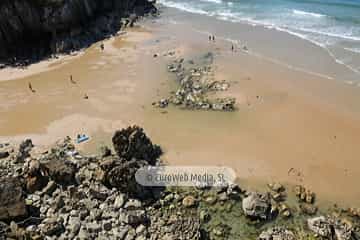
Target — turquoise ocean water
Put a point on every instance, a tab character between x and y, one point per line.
330	24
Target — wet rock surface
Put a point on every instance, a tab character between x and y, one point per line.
197	86
64	194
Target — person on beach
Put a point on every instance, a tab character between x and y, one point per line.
213	38
209	38
31	88
102	46
71	80
232	47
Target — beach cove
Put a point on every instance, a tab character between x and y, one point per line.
292	124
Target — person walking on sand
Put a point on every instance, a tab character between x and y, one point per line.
31	88
102	46
71	80
213	38
209	38
232	47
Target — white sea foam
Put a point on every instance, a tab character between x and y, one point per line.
212	1
272	60
309	14
340	34
355	50
318	37
183	7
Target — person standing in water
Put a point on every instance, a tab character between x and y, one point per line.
213	38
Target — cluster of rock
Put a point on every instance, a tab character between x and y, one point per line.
277	233
32	29
62	194
270	205
195	86
331	228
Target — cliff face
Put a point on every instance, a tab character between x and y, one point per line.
31	29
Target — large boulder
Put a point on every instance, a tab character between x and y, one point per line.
132	142
59	170
4	154
121	175
12	201
256	205
34	178
24	150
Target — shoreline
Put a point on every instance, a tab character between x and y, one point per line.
330	49
288	127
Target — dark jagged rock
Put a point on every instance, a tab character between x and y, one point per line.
4	154
34	178
132	142
121	175
60	170
12	202
24	150
105	151
31	29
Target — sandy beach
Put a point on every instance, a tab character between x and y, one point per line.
293	123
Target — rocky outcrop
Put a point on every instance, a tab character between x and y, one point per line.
197	86
12	199
63	194
31	29
133	143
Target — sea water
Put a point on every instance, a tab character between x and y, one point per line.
331	24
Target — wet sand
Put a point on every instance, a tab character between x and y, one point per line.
290	126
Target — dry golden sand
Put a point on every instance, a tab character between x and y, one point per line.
290	126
